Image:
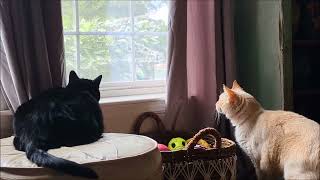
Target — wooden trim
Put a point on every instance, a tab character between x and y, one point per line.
5	123
285	35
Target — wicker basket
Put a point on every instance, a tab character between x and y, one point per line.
218	162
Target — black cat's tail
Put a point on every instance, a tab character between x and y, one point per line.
44	159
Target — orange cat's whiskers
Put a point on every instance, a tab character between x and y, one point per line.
217	117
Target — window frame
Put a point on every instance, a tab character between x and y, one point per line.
115	89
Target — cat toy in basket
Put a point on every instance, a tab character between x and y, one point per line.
162	136
218	161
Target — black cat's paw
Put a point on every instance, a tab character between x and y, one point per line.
17	145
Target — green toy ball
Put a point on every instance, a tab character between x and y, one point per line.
176	144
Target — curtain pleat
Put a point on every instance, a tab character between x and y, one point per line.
32	55
201	59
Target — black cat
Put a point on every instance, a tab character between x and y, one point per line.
60	117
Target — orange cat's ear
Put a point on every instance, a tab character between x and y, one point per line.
235	85
231	94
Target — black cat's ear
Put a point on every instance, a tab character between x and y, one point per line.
97	80
73	76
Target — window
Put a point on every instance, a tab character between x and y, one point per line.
125	41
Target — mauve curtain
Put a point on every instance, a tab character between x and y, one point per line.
201	59
32	55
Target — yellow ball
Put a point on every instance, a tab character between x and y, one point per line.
204	144
201	142
176	144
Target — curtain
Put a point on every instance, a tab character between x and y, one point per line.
31	48
201	58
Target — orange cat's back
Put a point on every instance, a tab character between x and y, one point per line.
289	121
295	137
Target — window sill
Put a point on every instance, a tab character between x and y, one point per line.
119	100
5	113
119	113
132	99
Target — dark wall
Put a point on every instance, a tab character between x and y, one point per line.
259	54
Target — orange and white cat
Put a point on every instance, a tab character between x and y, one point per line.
279	143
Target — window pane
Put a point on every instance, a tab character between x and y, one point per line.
138	25
150	56
150	16
106	55
106	16
70	53
68	15
151	70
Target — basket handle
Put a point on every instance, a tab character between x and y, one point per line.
201	134
140	119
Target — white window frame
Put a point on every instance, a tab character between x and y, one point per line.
115	89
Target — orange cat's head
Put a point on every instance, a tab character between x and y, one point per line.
236	104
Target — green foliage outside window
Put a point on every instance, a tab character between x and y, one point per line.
111	54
